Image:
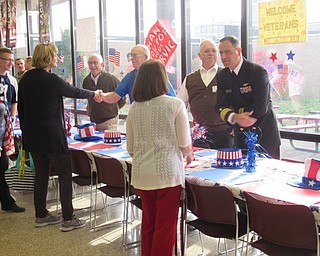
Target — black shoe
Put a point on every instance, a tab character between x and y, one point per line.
13	208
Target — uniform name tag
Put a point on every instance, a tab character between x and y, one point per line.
214	88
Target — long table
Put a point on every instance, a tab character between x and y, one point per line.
101	148
269	180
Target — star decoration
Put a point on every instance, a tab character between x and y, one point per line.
290	55
311	183
273	57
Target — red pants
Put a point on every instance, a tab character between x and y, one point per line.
159	220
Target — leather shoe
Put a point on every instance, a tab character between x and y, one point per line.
13	208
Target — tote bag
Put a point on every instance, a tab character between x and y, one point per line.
21	176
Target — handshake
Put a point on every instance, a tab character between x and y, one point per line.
98	96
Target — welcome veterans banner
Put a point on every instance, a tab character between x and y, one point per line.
282	21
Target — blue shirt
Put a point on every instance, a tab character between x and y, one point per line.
126	85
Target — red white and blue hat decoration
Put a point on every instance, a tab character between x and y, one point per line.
229	158
87	132
311	177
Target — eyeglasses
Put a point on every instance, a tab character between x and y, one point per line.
135	55
11	60
93	62
209	51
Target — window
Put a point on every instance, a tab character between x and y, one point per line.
212	19
292	66
169	16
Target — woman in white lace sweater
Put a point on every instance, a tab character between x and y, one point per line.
158	138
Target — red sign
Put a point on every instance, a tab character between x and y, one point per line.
160	43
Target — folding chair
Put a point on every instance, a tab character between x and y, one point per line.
283	228
113	174
83	173
216	213
53	183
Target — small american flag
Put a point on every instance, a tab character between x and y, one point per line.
114	56
296	77
81	62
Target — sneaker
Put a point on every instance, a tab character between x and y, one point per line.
48	220
13	208
72	224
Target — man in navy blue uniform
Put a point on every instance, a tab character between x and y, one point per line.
243	98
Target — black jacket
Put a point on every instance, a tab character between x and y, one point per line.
41	110
250	90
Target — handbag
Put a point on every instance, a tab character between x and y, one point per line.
21	176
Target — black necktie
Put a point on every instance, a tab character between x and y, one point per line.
234	75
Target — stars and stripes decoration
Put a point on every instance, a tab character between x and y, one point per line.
87	130
60	57
312	168
198	132
290	55
114	56
296	77
311	177
112	137
81	62
229	157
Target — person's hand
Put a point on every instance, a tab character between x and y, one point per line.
189	158
97	96
69	79
244	119
232	134
102	94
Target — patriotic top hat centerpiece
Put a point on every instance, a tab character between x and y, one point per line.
229	158
86	132
311	177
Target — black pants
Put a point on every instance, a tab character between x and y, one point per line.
5	197
60	162
220	139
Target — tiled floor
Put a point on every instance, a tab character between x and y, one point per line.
20	237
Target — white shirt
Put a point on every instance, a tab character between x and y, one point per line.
95	79
156	129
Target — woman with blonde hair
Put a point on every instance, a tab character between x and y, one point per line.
158	138
41	114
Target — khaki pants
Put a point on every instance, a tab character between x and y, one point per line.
111	124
